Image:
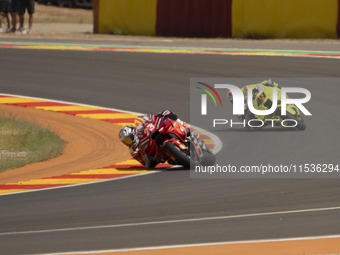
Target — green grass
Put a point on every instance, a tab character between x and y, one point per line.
23	142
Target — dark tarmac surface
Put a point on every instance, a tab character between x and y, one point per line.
148	83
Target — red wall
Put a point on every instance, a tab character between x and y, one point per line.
194	18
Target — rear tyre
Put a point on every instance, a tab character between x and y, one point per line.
300	123
180	157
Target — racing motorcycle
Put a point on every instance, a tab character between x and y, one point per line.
165	140
262	101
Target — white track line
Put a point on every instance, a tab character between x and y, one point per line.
172	221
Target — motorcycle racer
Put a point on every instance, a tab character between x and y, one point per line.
257	89
128	136
131	137
262	100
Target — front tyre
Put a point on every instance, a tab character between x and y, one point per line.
208	159
179	156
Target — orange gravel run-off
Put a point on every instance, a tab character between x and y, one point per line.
90	144
327	246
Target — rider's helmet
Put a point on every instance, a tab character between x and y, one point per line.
270	83
127	135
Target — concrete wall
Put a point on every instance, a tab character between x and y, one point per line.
219	18
285	18
137	17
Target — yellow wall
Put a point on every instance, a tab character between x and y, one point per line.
284	18
127	16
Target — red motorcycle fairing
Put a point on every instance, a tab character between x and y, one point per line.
166	126
163	126
165	140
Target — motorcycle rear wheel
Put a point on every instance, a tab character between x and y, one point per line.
300	123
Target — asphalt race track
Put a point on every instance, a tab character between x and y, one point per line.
169	207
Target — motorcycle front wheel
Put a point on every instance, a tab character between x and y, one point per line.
180	157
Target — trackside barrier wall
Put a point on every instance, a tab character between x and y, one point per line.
285	18
137	17
192	18
219	18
